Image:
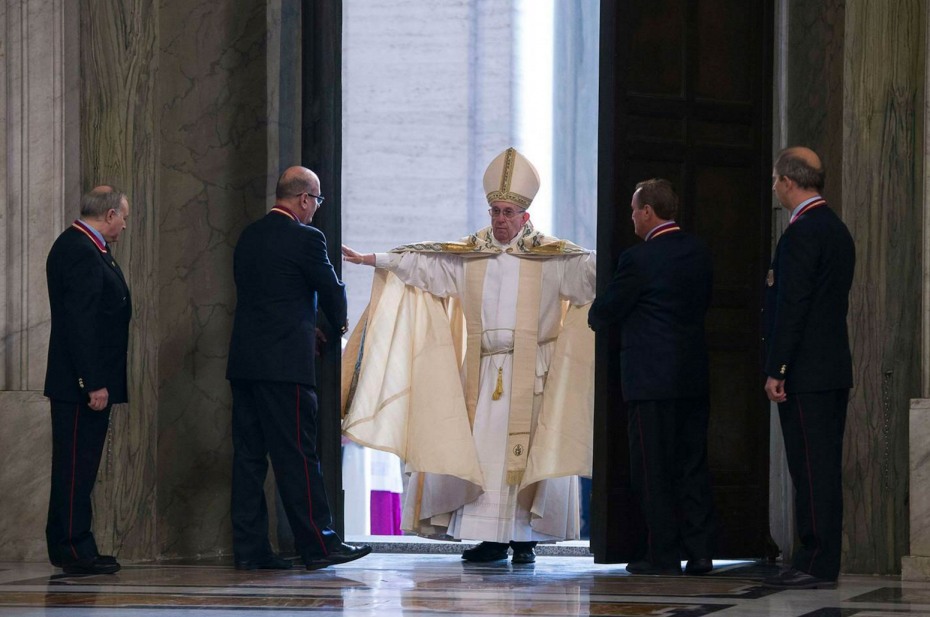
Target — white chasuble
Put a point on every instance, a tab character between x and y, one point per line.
544	506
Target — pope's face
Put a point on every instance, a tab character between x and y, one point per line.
503	227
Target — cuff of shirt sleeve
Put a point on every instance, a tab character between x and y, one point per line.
382	260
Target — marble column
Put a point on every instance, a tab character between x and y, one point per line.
212	181
916	566
39	191
118	66
882	114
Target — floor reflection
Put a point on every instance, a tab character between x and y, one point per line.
390	584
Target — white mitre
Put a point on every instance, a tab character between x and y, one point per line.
512	178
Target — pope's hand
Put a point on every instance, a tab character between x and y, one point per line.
351	256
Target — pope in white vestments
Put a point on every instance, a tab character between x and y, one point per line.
473	363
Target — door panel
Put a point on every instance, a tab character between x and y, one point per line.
686	90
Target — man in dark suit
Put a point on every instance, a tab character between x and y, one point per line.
86	374
808	364
659	296
281	268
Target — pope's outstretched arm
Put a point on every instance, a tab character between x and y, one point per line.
440	274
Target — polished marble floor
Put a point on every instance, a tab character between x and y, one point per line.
392	584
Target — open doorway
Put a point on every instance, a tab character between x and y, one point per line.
432	92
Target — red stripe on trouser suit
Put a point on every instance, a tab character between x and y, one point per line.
642	446
810	484
77	414
307	474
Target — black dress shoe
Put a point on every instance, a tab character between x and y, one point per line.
645	567
272	562
344	553
696	567
795	579
486	552
103	558
91	565
528	556
523	552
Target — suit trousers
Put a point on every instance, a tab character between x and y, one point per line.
277	419
669	474
78	436
813	424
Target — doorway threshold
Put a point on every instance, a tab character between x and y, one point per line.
418	545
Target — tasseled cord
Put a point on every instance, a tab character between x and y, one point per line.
499	390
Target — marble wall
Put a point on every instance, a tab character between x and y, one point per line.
184	108
39	192
853	89
212	181
916	566
882	193
118	69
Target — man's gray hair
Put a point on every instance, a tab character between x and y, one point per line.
790	165
96	203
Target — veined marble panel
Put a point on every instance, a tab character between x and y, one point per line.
37	100
883	86
815	85
26	464
919	496
213	177
39	190
118	68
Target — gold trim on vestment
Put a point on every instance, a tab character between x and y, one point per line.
475	271
531	243
523	376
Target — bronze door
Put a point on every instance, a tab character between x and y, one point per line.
686	94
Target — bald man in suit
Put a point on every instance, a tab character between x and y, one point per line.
808	364
282	269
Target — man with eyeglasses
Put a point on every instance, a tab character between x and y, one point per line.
473	362
281	269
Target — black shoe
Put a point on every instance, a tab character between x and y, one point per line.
272	562
91	565
644	567
344	553
795	579
696	567
103	558
486	552
523	552
528	556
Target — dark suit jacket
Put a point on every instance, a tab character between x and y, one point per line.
91	309
806	339
281	267
659	295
